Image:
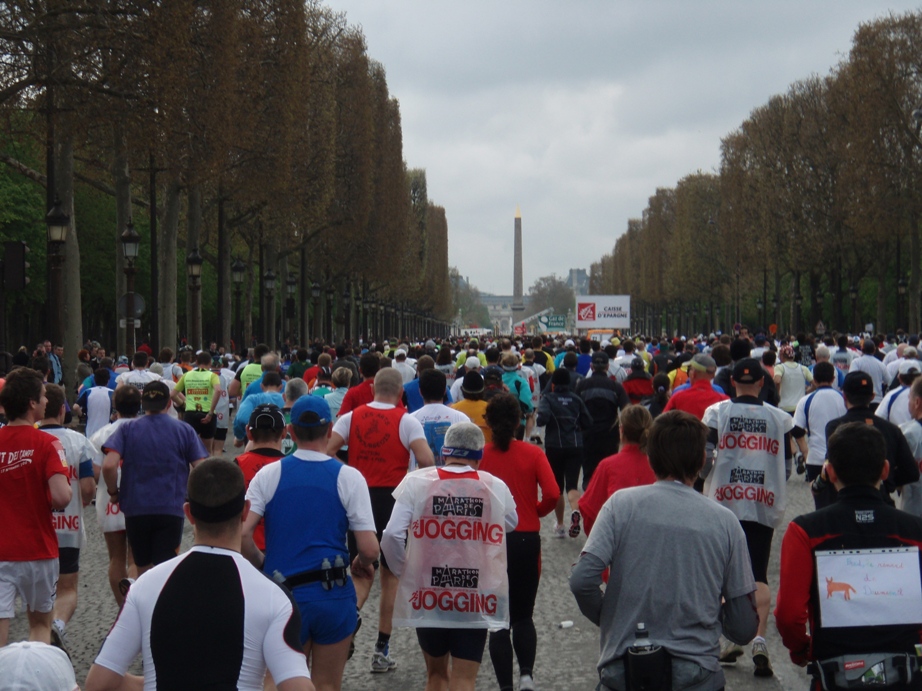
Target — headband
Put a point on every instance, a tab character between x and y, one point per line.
218	514
467	454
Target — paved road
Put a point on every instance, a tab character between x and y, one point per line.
566	657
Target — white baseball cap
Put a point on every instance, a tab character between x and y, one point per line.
32	666
472	362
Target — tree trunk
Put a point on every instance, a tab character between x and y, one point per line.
915	260
168	267
121	179
225	306
73	313
194	297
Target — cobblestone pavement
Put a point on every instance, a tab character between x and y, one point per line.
566	657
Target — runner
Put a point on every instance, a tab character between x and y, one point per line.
425	544
207	618
525	470
202	390
108	515
68	523
309	501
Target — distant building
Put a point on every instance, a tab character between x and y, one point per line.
578	281
500	310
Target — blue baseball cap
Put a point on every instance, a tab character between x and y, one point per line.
310	411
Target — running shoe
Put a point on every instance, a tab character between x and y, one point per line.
574	524
763	666
57	636
560	531
729	654
535	439
526	683
124	586
381	661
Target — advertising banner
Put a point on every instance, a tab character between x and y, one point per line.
603	312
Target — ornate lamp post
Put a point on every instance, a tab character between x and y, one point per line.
238	272
798	301
853	294
820	298
57	223
900	301
347	313
269	320
291	285
194	263
131	245
760	306
315	299
329	329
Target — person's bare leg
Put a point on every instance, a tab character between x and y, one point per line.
763	605
362	589
389	585
39	626
573	498
328	663
4	632
437	674
117	547
463	676
65	601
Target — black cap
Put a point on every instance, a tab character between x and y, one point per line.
472	382
857	384
748	371
267	416
600	359
155	396
637	363
493	372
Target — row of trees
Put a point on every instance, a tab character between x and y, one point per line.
813	215
246	129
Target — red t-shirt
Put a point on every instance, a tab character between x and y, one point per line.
627	468
29	458
358	395
250	463
310	374
524	468
375	449
695	399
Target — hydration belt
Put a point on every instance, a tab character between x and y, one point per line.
334	575
870	670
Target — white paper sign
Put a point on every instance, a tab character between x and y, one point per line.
603	312
869	587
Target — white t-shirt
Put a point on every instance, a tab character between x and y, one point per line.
222	408
895	406
793	385
108	516
98	408
911	495
436	418
256	606
875	369
137	378
825	404
68	522
350	486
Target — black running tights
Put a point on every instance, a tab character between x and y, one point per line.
523	565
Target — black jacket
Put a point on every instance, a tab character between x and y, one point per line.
566	416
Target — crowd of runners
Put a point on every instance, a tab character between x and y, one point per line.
307	473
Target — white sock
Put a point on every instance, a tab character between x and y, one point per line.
758	639
60	623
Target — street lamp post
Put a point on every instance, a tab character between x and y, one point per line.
820	298
315	298
269	320
798	301
760	306
131	244
853	294
900	301
329	329
57	223
238	272
194	263
775	307
347	313
291	285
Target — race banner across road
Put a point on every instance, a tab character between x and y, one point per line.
603	312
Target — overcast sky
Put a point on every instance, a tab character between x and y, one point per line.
577	111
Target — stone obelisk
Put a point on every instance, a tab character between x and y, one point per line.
518	306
